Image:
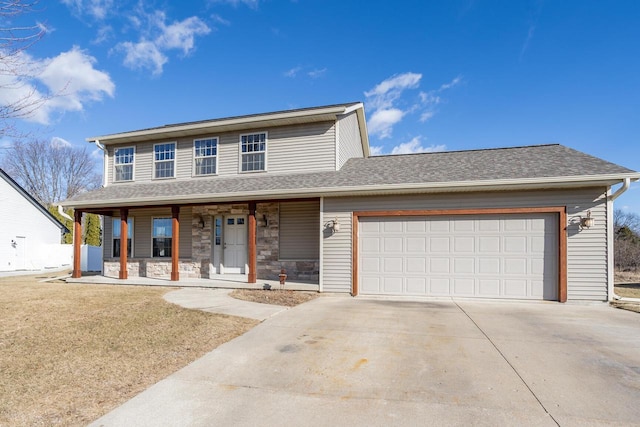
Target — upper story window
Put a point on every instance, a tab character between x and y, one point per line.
205	156
253	152
164	160
123	159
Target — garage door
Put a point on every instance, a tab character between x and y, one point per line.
487	256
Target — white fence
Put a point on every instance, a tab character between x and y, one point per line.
90	257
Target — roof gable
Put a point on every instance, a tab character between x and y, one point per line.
32	200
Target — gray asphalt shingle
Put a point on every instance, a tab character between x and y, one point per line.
428	168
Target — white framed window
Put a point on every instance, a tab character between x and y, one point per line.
253	152
161	237
164	160
123	161
205	156
116	241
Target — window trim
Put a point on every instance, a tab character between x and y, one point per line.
193	155
129	227
133	165
175	160
153	218
266	149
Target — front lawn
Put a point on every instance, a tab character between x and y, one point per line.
70	353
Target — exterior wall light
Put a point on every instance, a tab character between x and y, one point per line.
334	225
587	222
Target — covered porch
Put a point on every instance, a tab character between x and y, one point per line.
225	244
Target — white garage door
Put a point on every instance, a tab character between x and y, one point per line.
489	256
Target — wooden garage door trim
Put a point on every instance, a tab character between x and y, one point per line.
561	211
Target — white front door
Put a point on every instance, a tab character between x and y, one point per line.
234	258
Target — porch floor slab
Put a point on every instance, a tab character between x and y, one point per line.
228	282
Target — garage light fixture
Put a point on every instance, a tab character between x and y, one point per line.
587	222
334	225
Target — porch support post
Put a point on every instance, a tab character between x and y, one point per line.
77	242
175	242
253	265
124	243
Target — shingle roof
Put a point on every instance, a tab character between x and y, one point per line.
533	164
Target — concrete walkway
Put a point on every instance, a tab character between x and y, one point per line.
349	361
219	301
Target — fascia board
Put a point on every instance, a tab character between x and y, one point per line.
461	186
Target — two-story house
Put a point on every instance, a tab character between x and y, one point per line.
298	190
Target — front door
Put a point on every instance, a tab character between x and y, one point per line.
234	259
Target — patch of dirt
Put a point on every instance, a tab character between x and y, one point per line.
275	296
70	353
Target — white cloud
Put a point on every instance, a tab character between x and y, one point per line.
415	146
144	54
385	93
381	122
104	34
410	147
426	115
375	150
150	51
220	20
180	35
455	82
292	72
253	4
98	9
54	85
314	74
57	142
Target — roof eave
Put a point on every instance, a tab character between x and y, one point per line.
246	122
438	187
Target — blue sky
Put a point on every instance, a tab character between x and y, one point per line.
434	75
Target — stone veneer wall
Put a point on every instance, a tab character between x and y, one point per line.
267	249
153	267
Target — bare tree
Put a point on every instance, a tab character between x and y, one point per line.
630	220
51	172
626	240
20	98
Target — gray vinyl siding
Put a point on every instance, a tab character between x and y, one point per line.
296	148
301	148
586	249
299	226
349	143
142	243
229	153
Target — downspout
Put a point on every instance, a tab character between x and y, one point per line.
104	161
64	215
624	187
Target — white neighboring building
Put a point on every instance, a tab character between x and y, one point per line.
29	234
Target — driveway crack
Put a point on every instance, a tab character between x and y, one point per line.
508	363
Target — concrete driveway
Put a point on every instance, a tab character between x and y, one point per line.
346	361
